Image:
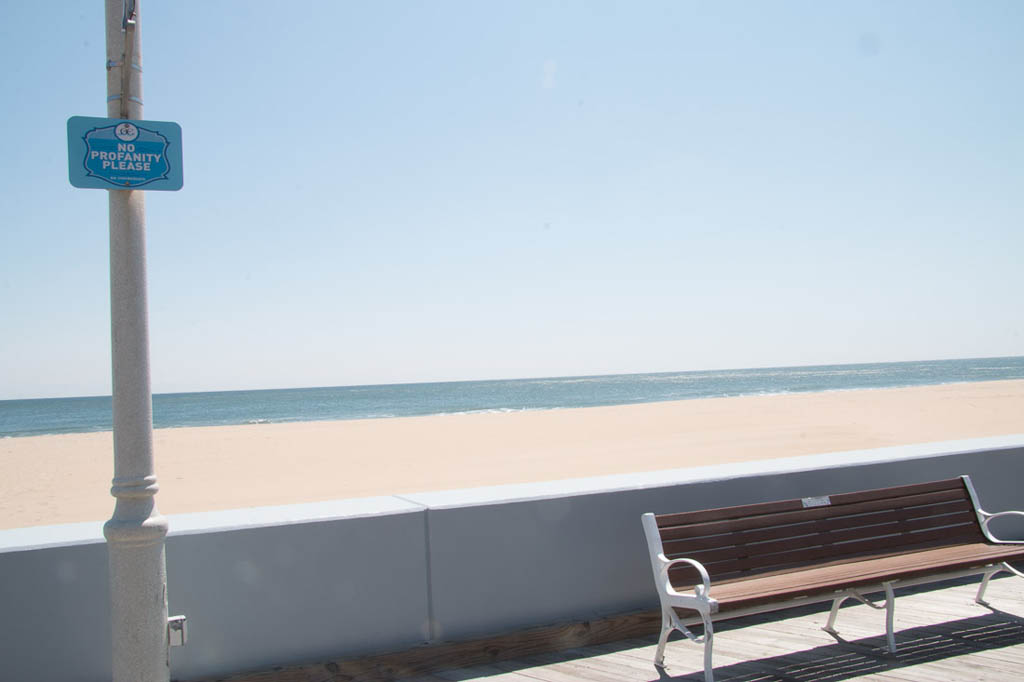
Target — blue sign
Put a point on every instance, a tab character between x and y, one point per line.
112	153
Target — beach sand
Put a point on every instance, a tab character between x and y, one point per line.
66	478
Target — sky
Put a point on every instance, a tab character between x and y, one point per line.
429	191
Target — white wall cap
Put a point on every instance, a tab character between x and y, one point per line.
41	537
288	514
522	492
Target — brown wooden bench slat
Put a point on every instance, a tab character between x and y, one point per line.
897	491
936	512
903	523
921	503
676	531
854	541
871	571
755	563
881	523
933	557
700	516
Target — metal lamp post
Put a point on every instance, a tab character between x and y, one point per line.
136	531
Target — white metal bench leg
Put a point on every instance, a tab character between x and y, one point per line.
890	609
980	598
709	636
670	622
666	629
830	627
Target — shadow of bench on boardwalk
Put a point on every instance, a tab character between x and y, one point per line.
583	646
846	660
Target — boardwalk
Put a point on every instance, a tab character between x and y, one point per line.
942	634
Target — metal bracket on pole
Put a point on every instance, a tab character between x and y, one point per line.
177	630
128	28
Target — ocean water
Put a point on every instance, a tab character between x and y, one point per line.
77	415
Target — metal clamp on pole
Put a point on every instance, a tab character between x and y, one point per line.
177	630
128	26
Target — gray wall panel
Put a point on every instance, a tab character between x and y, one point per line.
295	593
55	614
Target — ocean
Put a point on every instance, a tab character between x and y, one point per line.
79	415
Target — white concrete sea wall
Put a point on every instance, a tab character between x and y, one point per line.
286	585
259	587
517	556
297	583
55	606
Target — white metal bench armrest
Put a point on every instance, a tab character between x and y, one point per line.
700	599
703	590
987	516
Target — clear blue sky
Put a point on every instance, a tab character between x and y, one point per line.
408	191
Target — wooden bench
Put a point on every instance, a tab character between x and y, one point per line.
735	561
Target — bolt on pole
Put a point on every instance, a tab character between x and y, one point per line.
136	531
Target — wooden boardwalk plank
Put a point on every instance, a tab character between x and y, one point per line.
944	636
490	672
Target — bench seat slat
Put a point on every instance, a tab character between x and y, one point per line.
829	577
758	563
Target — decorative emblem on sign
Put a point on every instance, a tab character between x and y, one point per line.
126	155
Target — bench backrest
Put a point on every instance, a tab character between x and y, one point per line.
756	538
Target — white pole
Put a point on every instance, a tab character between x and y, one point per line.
136	531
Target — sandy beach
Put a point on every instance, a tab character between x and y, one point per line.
66	478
